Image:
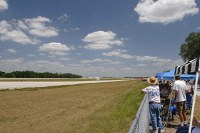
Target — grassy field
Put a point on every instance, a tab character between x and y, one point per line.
197	108
89	108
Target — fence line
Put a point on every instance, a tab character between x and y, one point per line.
140	123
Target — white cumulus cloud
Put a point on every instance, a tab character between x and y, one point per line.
123	54
101	40
39	26
3	5
118	53
152	59
165	11
12	50
55	48
100	60
24	31
8	31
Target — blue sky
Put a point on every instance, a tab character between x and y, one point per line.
95	37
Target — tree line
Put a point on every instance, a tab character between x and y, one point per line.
190	49
32	74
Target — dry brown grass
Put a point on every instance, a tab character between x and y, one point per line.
197	108
105	107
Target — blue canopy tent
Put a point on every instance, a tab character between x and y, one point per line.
170	75
159	75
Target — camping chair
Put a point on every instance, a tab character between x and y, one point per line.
188	102
167	107
186	128
172	109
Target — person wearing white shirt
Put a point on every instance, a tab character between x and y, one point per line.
179	89
153	93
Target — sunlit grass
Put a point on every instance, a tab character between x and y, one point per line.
103	108
197	108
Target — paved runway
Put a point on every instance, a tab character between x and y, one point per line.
31	84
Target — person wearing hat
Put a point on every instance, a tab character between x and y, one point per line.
154	104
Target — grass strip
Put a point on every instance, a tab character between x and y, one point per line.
89	108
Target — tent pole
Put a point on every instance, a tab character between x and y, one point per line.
170	97
193	102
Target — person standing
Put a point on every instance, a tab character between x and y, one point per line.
179	89
154	104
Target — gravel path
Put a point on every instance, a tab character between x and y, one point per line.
27	84
198	92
